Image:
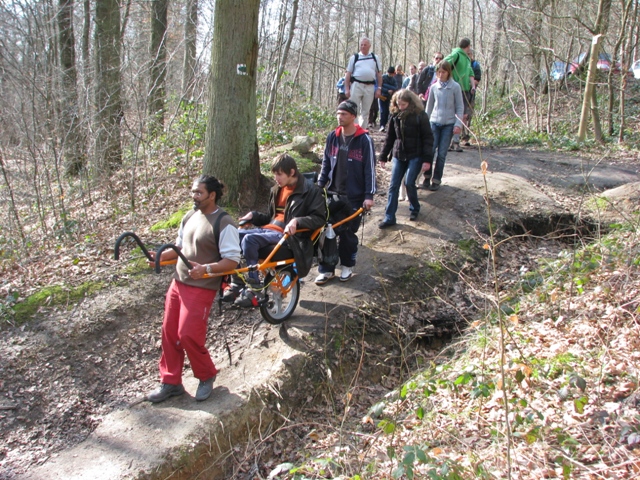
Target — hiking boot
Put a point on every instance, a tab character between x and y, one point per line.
346	274
165	391
385	224
248	298
434	186
324	278
413	216
205	387
232	292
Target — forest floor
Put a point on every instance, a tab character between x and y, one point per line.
69	376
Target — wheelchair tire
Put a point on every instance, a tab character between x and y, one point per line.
280	305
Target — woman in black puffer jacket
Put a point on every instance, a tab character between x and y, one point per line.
410	141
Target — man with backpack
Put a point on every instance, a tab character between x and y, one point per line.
463	74
209	240
363	71
465	137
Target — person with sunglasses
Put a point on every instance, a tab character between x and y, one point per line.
427	77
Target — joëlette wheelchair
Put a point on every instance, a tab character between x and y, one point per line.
279	278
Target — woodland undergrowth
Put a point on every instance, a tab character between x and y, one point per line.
541	384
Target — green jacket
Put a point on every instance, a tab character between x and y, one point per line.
461	68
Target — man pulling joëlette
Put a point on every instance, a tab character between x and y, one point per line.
190	296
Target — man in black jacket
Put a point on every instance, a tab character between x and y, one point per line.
348	170
427	76
294	204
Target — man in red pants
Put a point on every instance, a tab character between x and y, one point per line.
190	296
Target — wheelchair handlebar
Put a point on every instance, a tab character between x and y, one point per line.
116	250
166	246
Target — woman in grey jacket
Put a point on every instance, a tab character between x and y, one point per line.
445	110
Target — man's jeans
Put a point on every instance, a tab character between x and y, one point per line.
363	95
412	168
469	99
441	140
384	111
252	240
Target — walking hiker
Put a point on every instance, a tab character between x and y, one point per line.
363	71
190	296
410	142
389	87
427	77
465	137
444	107
348	170
463	74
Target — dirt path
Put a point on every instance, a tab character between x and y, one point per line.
71	383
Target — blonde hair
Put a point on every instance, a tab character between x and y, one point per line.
406	95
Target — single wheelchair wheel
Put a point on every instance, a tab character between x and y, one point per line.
283	293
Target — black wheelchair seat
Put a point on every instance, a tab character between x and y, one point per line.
284	253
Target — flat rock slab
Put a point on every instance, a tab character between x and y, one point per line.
138	440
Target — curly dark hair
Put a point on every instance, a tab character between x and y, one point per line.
406	95
212	184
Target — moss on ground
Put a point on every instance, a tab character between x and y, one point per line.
173	221
52	296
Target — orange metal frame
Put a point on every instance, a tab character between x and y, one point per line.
267	263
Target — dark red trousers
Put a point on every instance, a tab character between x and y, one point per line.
184	329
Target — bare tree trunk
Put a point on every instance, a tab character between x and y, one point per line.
626	7
282	61
86	32
456	33
442	23
626	63
589	91
497	42
301	52
589	101
158	52
314	66
12	202
597	128
231	140
189	60
421	53
73	144
406	36
392	39
108	86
